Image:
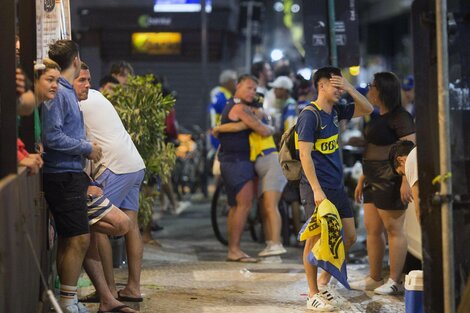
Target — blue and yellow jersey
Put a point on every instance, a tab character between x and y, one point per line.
260	146
325	151
289	115
219	97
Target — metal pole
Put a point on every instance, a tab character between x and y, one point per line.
204	58
204	62
332	31
444	156
249	34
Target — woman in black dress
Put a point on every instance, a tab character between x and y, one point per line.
385	193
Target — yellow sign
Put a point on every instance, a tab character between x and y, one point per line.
164	43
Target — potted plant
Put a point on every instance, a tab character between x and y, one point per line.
143	108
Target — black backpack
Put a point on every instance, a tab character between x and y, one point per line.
290	162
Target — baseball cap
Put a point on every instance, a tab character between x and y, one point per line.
408	83
283	82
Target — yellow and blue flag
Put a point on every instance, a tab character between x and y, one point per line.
328	252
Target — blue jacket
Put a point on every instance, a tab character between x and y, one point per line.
64	139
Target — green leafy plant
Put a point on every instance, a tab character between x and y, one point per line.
143	108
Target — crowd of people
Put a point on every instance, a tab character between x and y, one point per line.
248	135
92	171
88	200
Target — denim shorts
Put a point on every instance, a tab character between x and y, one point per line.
122	189
235	176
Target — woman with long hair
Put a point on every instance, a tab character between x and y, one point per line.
385	193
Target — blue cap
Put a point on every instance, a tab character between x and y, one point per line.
408	83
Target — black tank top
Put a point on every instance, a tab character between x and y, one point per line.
233	146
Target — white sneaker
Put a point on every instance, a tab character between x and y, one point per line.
82	308
328	295
71	308
318	303
182	205
367	283
390	288
273	249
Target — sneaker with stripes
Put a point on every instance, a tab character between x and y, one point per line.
319	303
330	296
390	288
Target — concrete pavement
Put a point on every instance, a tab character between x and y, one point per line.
188	273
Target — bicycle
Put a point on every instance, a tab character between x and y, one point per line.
220	210
190	172
219	214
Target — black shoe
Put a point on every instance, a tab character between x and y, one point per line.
156	227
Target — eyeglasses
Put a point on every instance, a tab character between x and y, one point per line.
369	85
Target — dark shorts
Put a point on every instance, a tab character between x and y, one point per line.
382	186
235	176
291	192
65	194
337	196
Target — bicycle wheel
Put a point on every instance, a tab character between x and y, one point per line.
219	213
286	222
255	224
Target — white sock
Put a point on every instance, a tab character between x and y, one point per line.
67	295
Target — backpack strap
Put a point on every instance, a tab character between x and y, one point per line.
317	115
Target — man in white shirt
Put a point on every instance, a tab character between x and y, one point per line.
404	160
120	172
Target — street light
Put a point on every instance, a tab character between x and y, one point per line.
276	55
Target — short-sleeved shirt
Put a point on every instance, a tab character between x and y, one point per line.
219	98
325	151
289	115
411	167
388	128
384	130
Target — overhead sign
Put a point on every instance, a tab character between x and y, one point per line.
180	6
162	43
146	21
316	33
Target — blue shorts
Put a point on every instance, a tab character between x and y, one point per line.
122	189
337	196
235	176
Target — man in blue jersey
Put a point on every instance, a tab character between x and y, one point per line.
219	97
322	171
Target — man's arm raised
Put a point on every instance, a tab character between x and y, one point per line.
363	106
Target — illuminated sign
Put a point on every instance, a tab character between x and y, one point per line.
163	43
180	6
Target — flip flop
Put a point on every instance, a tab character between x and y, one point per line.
243	259
90	298
128	299
116	309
